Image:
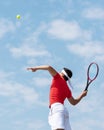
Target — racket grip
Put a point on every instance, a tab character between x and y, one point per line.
86	88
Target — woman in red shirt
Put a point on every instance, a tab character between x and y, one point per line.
59	91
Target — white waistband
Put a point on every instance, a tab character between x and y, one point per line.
55	104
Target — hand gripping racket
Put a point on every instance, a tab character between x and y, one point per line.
92	73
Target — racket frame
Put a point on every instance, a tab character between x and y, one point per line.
89	80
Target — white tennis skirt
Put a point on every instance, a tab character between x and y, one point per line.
59	117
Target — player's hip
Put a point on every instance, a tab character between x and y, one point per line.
58	108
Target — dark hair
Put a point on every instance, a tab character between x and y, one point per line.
65	78
69	72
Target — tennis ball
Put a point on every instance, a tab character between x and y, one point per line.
18	16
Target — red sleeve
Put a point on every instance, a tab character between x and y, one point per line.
56	76
69	93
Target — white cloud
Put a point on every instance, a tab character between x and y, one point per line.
4	75
28	51
67	30
18	92
6	26
38	124
87	124
30	46
93	13
88	50
42	81
89	107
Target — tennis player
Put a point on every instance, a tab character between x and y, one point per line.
59	91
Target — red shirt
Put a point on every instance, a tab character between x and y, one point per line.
59	90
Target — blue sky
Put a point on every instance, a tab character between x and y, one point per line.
60	33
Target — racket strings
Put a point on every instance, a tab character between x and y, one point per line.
93	71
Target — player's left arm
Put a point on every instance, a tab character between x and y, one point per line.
50	69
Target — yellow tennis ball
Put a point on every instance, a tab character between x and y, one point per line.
18	16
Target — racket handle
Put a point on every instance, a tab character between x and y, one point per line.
86	88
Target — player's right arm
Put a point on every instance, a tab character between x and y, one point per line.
50	69
75	101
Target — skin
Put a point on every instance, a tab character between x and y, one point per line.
53	72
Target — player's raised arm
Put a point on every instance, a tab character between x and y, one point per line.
51	70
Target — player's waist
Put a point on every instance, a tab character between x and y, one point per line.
55	104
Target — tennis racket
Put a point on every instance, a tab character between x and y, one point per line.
92	73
